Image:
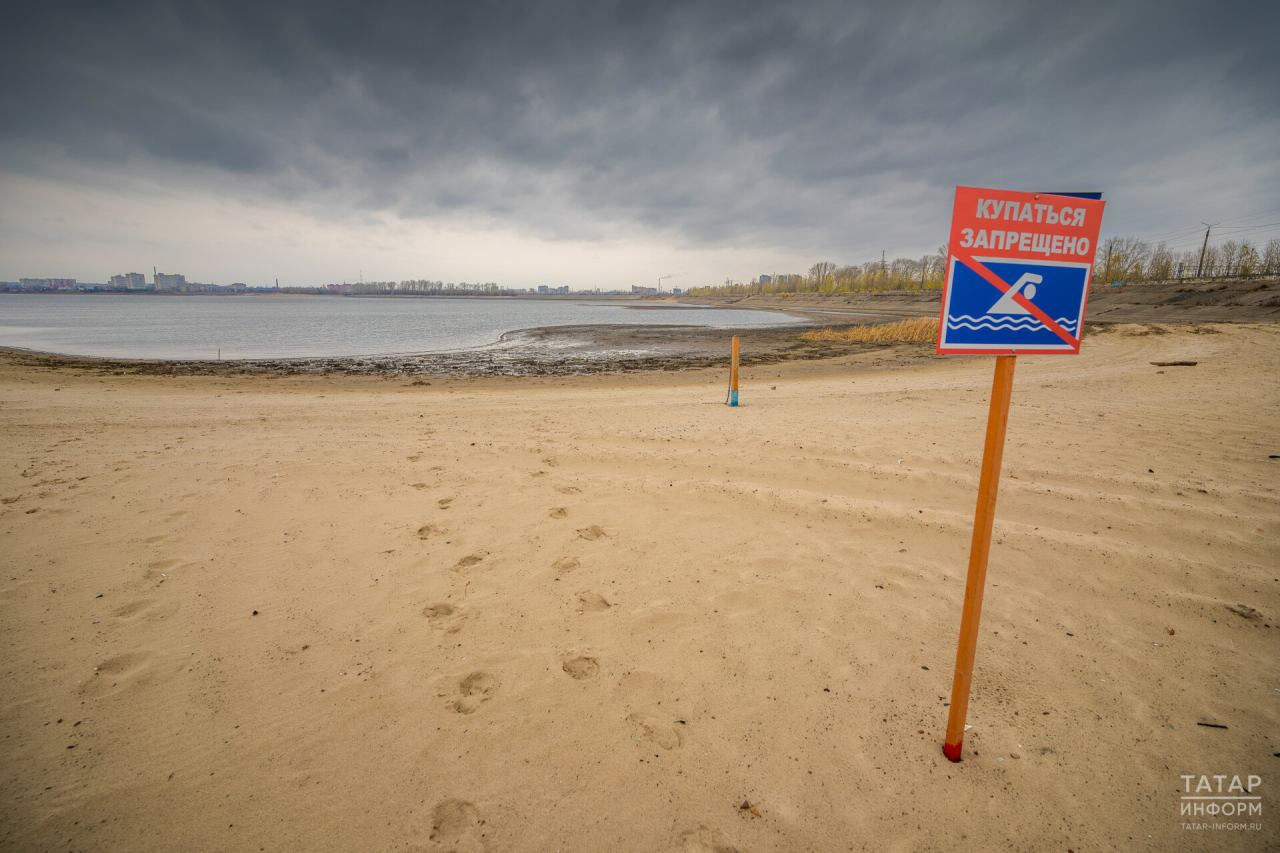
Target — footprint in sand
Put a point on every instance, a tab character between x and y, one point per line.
565	565
581	667
568	490
443	503
133	608
456	826
426	531
446	617
148	608
413	458
467	562
592	602
122	672
476	689
120	664
592	533
559	512
704	840
1245	611
656	731
418	485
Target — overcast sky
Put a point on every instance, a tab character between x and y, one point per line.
607	144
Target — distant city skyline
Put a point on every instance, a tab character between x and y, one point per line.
176	283
609	145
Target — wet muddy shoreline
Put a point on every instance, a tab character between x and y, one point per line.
551	351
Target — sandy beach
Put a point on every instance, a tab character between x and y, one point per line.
297	612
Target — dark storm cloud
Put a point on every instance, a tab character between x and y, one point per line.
823	126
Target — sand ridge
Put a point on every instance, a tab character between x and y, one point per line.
333	613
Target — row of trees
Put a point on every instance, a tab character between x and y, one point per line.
419	287
1131	259
1117	259
827	277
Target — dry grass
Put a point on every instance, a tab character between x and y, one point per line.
921	331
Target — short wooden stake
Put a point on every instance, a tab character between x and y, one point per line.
733	374
979	551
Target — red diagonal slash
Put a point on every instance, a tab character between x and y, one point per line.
998	283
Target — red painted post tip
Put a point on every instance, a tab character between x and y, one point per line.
952	750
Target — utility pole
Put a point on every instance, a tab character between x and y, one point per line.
1207	229
884	270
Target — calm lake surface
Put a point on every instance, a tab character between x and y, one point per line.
196	327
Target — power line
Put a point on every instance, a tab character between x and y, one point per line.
1176	234
1247	216
1173	235
1191	206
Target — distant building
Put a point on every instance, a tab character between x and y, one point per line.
239	286
47	283
647	291
164	281
676	291
129	281
542	288
766	279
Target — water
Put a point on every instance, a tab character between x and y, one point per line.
196	327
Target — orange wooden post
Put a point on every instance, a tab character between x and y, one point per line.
733	374
979	550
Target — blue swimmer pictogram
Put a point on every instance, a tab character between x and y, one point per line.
980	315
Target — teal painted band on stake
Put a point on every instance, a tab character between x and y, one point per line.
733	398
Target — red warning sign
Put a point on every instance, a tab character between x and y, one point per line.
1018	272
